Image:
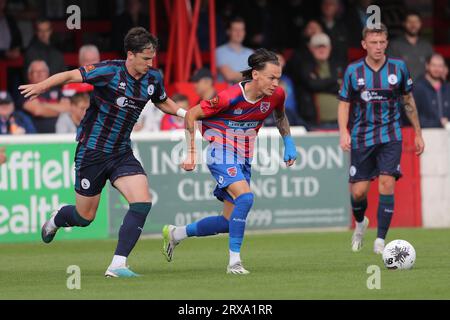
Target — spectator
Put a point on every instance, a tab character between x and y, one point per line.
232	57
432	94
88	54
170	122
46	108
78	94
11	39
318	85
204	84
290	101
334	27
12	121
411	47
41	48
132	17
295	17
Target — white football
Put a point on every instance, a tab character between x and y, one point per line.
399	254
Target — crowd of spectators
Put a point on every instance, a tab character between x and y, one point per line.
312	42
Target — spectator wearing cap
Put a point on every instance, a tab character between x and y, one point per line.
78	94
88	54
171	122
11	39
411	47
41	48
46	108
232	57
204	84
12	121
318	83
432	94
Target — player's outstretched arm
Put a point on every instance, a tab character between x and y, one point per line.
34	90
170	107
282	122
191	117
343	110
413	116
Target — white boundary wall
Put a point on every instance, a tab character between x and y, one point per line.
435	178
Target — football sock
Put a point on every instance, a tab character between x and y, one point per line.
208	226
385	211
242	206
68	216
118	262
359	208
131	227
235	257
180	233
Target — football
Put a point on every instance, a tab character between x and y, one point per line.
399	254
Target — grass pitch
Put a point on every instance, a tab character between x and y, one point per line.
283	266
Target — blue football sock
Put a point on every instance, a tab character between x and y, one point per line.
242	206
208	226
68	216
385	212
359	209
131	227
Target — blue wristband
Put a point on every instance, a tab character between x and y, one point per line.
290	151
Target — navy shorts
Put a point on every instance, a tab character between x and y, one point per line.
371	162
93	168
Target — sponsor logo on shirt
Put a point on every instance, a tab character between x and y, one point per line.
124	102
243	124
369	96
361	82
122	85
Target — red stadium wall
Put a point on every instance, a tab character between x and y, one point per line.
407	211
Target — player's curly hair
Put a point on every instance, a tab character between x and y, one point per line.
138	39
258	60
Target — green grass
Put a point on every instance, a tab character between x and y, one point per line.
283	266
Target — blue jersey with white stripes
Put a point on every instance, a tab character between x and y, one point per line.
375	100
116	103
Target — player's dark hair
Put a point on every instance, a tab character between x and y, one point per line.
381	29
138	39
235	20
411	12
258	60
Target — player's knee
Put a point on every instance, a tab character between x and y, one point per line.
386	186
84	220
141	207
244	200
358	195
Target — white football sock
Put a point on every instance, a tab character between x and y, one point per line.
235	257
360	225
179	233
118	261
51	224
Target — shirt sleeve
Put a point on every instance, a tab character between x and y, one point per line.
215	105
407	82
159	95
98	74
346	86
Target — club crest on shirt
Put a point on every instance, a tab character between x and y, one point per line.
232	171
89	68
150	89
264	107
392	79
214	101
